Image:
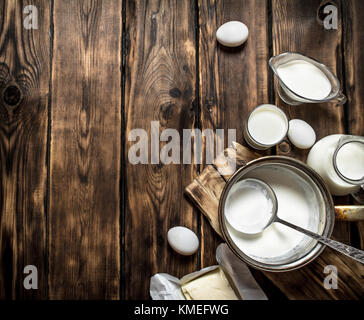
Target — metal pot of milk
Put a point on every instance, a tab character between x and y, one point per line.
303	199
339	160
305	80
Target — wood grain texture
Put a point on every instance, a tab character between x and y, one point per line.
24	82
296	28
160	86
305	283
85	151
232	80
64	168
207	199
353	21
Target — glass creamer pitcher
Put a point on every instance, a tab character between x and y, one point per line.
339	159
289	93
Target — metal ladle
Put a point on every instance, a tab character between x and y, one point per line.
272	217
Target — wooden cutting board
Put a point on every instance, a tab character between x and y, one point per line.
305	283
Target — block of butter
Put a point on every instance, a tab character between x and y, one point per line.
230	280
210	286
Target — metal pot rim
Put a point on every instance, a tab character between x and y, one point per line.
329	223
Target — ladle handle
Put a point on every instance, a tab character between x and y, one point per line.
349	251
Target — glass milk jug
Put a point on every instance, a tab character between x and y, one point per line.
339	160
305	72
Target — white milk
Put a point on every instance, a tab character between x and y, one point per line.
305	79
248	207
350	162
297	203
267	125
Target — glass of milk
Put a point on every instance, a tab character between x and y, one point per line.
266	126
305	80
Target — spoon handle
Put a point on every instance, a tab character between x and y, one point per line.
349	251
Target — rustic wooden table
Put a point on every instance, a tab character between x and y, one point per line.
72	90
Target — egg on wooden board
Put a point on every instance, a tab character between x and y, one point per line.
183	240
232	33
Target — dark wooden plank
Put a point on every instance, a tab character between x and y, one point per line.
232	80
85	151
353	19
24	82
296	28
160	86
307	283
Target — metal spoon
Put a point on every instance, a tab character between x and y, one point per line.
272	217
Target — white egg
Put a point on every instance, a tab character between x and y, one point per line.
301	134
183	240
232	34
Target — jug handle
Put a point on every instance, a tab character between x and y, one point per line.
340	99
359	195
